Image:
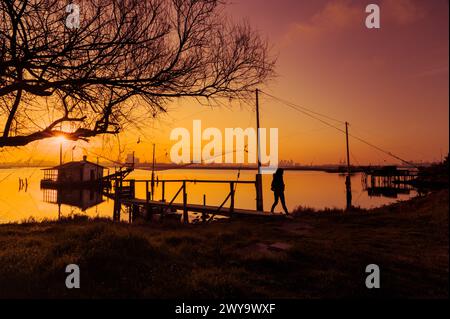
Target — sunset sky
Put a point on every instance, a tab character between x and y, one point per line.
391	84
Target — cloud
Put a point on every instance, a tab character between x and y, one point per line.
335	16
339	16
402	12
436	71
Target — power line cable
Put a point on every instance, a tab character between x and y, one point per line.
296	106
308	113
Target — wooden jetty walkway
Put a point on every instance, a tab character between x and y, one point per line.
124	195
120	174
388	175
198	208
388	181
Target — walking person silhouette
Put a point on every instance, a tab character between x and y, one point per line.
278	190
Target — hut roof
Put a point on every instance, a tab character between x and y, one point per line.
73	165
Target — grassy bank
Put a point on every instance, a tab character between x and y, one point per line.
313	256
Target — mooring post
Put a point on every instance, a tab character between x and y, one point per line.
116	213
185	211
132	188
148	209
135	212
232	197
204	215
348	180
163	191
258	181
153	173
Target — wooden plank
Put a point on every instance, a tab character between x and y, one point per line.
198	181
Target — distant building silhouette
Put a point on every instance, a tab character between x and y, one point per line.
131	159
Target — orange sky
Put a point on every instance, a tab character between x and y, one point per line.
390	84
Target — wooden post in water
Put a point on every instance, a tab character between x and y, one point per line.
134	213
132	188
232	197
258	181
204	215
60	154
153	172
348	182
147	199
185	210
116	213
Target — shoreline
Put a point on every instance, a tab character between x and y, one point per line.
298	210
316	255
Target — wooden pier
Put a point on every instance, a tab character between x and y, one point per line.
388	181
122	173
124	195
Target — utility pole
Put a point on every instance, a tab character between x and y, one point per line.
259	193
348	182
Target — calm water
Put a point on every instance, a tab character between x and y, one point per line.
310	189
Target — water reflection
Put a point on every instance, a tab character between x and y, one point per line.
21	196
393	191
83	199
386	186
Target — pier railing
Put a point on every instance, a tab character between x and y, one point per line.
183	190
126	189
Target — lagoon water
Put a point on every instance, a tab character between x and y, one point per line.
303	188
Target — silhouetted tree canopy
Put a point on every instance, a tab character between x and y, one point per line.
126	54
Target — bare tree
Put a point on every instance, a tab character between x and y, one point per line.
125	55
